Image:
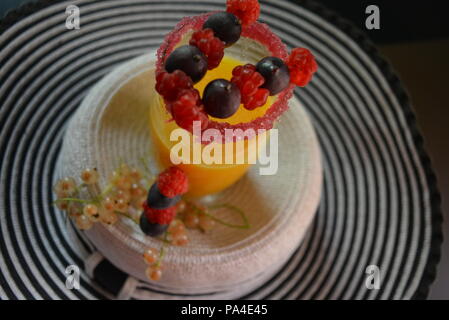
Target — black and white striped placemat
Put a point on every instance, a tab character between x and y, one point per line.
380	205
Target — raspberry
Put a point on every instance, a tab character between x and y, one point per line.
256	100
172	182
211	46
246	10
302	66
249	80
168	85
187	109
164	216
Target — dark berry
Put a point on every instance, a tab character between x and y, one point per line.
188	59
151	229
275	73
156	200
221	98
226	27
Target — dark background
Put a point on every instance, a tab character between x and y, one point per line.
414	37
401	20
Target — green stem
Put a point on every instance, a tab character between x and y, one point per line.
149	174
246	224
72	200
82	185
126	216
162	251
105	191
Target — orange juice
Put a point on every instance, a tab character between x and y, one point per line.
206	178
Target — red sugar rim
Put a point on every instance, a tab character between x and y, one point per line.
257	31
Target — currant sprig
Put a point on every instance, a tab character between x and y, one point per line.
124	191
164	211
201	216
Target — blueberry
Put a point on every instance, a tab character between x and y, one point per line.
221	98
156	200
151	229
188	59
226	27
276	74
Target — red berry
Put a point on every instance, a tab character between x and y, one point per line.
302	66
211	46
172	182
163	216
249	80
256	100
168	85
187	109
247	11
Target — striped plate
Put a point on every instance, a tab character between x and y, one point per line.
380	205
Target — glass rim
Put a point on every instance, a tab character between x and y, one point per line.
259	32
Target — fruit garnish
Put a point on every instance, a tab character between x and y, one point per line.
221	98
191	220
83	222
151	229
153	258
172	182
157	200
177	227
91	211
302	66
150	256
247	11
109	218
137	191
65	186
256	31
160	216
256	100
154	273
275	73
188	109
211	46
160	209
106	204
189	59
249	81
168	85
89	176
206	223
226	27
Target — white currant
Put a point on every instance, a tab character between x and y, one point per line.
90	176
